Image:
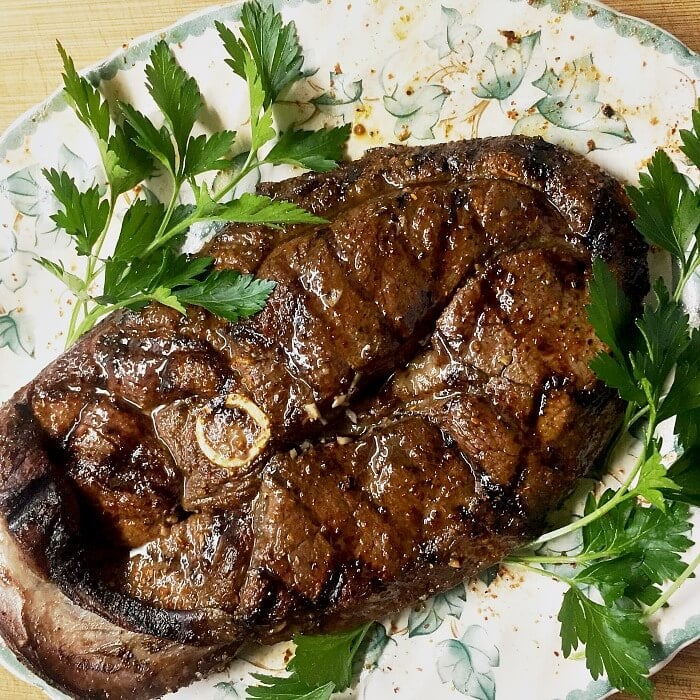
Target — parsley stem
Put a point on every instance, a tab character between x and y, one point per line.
71	334
687	573
620	495
161	236
544	572
196	216
99	311
250	164
623	493
688	272
90	276
629	422
91	319
576	559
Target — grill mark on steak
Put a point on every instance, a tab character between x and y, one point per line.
467	253
396	469
82	653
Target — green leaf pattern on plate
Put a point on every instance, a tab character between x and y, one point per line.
454	35
343	91
30	194
11	336
504	67
488	576
232	690
376	642
571	114
416	110
467	663
15	262
429	615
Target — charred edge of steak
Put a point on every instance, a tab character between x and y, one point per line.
81	653
40	508
593	203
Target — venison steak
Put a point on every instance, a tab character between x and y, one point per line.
411	403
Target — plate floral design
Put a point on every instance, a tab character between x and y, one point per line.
574	72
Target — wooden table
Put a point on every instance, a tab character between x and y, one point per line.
91	29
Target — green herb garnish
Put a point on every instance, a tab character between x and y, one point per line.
271	45
633	537
321	666
147	263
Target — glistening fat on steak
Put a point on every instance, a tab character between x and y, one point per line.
410	404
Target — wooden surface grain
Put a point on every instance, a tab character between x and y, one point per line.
92	29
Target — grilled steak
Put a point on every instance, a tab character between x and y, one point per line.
410	404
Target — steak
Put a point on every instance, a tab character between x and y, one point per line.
408	407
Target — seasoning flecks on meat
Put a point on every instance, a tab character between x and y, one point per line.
409	406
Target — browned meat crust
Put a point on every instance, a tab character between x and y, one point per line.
411	403
81	652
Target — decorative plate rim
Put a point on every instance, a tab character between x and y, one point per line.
193	24
625	25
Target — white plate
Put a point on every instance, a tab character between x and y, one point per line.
577	73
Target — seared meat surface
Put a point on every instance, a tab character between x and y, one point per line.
408	407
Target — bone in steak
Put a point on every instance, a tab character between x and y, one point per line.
410	404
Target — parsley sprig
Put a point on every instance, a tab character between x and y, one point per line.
146	263
633	538
321	666
625	556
